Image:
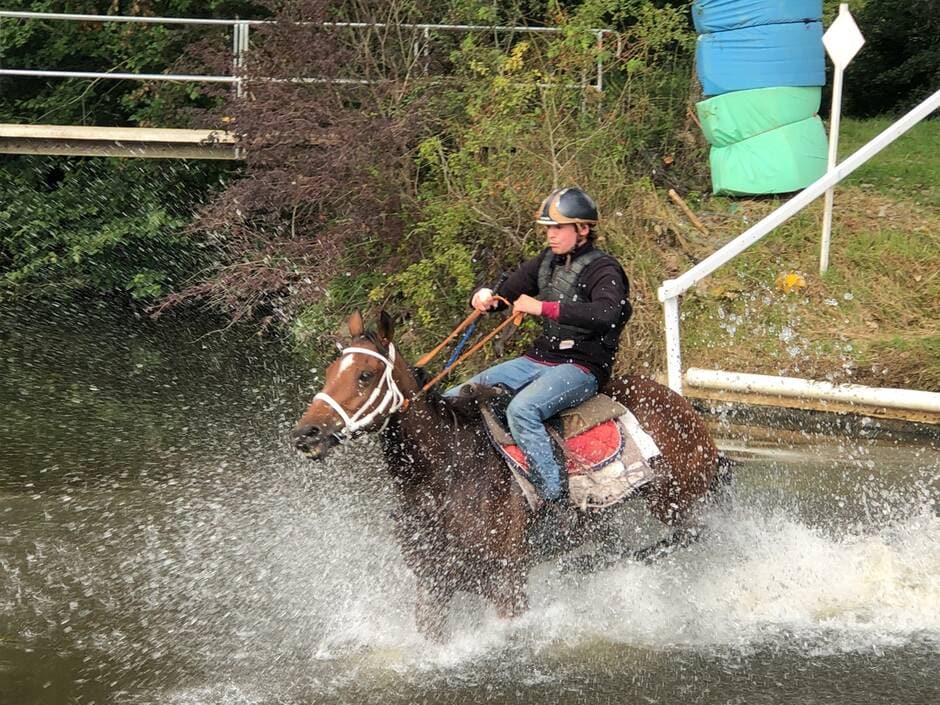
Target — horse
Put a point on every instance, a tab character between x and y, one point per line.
461	520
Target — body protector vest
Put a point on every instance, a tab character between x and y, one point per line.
560	283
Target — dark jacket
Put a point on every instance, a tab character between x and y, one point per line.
602	310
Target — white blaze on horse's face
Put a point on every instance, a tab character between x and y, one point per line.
345	362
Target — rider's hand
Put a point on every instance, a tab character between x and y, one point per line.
526	304
483	300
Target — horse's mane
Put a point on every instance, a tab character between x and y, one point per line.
376	340
422	376
462	414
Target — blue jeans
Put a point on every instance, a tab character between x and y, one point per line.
545	390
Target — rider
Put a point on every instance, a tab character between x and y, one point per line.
581	296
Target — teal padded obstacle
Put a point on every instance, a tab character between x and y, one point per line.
740	115
786	159
722	15
761	57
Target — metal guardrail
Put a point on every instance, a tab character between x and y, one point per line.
672	289
240	44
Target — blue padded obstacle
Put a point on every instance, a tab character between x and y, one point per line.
722	15
761	57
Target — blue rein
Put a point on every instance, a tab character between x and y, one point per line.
461	344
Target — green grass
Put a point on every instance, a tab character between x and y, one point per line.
872	319
907	169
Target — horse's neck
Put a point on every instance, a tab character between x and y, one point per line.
423	442
405	437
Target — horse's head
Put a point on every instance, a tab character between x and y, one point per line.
359	394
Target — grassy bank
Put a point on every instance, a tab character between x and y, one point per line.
873	318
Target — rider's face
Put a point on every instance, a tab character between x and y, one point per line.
564	238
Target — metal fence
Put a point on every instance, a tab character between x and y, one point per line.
240	30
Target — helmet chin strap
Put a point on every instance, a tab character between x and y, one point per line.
392	401
577	243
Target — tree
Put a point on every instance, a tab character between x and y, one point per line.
899	65
327	158
92	224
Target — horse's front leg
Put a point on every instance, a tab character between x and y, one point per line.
510	594
431	608
681	537
509	581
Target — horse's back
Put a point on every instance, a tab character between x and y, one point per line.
689	455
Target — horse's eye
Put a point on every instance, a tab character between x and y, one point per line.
365	376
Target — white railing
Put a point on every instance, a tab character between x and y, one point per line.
672	289
240	44
793	387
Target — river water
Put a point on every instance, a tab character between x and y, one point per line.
160	542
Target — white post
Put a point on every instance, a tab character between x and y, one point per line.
673	350
426	50
241	59
239	47
834	121
236	54
842	41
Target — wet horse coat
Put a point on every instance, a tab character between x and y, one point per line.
461	523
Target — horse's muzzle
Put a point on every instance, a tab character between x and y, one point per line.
313	441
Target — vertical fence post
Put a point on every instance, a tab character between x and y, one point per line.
239	48
427	50
673	349
600	61
842	41
244	49
236	54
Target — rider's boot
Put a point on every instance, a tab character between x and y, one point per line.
552	525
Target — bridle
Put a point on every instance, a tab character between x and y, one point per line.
393	400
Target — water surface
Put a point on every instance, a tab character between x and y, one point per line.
160	542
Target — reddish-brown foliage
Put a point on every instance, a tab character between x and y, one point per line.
325	163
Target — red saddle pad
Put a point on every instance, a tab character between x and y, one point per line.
587	451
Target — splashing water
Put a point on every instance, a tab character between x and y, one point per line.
192	557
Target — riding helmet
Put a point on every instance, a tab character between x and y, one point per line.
567	205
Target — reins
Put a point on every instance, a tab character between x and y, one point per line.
514	319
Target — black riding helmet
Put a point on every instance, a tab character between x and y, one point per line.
567	205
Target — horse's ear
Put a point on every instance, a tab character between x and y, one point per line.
386	327
354	325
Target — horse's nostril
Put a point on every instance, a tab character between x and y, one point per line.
305	434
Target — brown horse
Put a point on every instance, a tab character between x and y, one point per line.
461	522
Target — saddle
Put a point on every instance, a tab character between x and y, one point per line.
601	445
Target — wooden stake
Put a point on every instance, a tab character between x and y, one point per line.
677	199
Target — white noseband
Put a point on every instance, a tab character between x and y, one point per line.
389	404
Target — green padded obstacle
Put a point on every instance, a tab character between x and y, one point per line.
786	159
740	115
